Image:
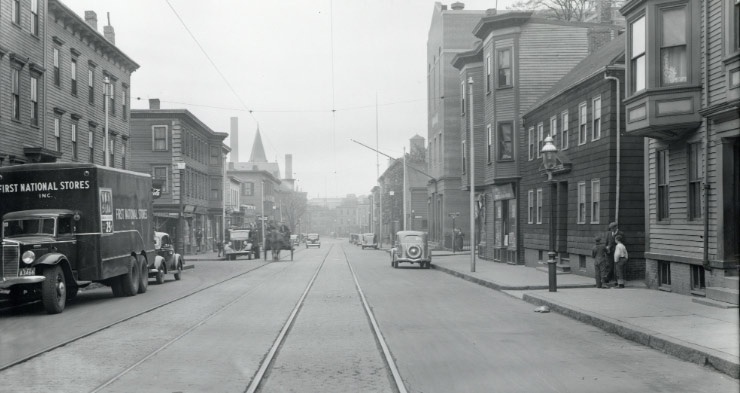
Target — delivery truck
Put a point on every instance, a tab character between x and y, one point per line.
67	225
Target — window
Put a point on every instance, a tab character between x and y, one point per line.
15	11
695	178
124	142
673	56
539	206
595	200
91	143
57	133
489	145
112	151
531	143
91	85
662	183
596	119
530	206
34	100
112	103
505	141
215	189
15	92
215	155
57	79
737	24
464	157
564	133
248	189
664	273
159	138
637	55
540	138
581	219
462	97
582	123
35	17
554	130
504	67
74	139
163	173
698	282
73	75
124	103
489	73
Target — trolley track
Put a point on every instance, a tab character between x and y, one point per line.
125	319
258	381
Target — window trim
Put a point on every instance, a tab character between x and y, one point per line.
531	143
539	211
15	12
166	137
464	157
694	181
509	49
554	129
540	138
530	207
463	91
582	122
632	59
34	28
165	188
73	130
15	93
91	143
34	99
489	152
659	42
594	119
489	73
56	61
595	201
581	201
500	157
57	129
564	130
662	170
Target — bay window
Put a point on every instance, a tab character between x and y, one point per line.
637	54
673	56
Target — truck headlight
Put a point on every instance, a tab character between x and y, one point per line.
28	257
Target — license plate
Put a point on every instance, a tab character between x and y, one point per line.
28	271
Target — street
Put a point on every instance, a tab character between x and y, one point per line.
304	324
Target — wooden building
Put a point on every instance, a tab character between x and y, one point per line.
683	97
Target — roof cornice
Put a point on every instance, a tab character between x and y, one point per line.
493	22
179	113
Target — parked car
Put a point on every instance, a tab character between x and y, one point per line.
166	261
241	242
368	241
312	240
294	240
411	247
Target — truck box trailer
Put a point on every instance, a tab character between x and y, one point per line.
66	225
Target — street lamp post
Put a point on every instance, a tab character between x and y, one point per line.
181	210
392	227
549	160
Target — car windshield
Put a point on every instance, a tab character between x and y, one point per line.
411	238
28	226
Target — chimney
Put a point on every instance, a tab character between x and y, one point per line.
288	166
604	10
234	141
458	6
108	32
154	103
598	37
91	18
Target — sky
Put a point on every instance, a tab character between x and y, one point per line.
307	73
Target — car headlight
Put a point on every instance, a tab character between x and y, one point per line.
28	257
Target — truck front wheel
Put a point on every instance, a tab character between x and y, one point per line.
143	274
54	290
129	282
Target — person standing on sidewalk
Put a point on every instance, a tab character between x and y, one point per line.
220	246
611	244
620	260
601	264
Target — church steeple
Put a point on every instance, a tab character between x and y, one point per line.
258	151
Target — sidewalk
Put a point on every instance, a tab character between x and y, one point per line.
668	322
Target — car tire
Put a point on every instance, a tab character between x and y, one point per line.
54	290
159	277
143	274
178	273
129	282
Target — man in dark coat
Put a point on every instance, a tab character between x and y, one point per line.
611	244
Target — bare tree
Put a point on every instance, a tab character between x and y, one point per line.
568	10
294	207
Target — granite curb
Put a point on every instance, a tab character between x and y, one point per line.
721	362
504	287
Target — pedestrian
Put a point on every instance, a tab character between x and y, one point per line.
601	264
198	237
620	260
611	244
220	246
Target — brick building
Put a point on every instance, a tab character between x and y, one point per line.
683	98
163	139
52	104
598	178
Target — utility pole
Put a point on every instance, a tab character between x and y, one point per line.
472	179
405	189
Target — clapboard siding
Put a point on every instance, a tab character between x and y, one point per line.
717	83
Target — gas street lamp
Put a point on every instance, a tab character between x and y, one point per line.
549	161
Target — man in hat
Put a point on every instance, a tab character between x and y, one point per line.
600	263
611	244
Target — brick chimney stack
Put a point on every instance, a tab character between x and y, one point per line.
108	32
288	166
234	140
154	103
91	18
457	6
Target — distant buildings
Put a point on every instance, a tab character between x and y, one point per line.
55	66
162	141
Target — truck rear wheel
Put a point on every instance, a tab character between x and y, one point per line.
129	282
54	290
143	274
